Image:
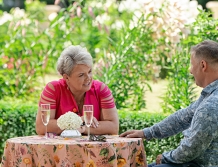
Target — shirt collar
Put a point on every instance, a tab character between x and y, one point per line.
210	88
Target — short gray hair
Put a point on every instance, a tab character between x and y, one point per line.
71	56
207	49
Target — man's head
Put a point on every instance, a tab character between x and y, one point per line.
204	62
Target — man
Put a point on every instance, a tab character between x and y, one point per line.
198	122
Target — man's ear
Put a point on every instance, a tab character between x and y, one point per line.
204	65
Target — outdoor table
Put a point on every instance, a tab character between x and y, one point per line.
36	151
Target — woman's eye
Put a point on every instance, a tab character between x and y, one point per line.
90	71
80	75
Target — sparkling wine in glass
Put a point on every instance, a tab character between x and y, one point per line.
45	115
88	116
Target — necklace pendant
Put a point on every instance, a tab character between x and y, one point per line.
74	110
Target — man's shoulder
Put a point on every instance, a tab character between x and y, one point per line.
209	106
213	97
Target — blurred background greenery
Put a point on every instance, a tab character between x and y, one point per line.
133	43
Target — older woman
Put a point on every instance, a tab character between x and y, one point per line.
75	89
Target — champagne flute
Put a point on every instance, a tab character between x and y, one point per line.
88	116
45	115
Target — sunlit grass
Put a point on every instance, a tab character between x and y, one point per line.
153	98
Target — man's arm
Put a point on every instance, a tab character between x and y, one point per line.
173	124
197	138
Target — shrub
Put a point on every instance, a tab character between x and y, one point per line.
16	119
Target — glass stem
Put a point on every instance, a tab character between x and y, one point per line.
46	132
88	132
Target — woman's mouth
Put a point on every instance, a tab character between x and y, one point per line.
87	84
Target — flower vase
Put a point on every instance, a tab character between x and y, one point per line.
70	133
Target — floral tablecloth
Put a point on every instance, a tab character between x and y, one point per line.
32	151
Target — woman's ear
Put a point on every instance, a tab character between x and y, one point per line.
65	77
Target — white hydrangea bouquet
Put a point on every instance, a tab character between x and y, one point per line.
69	122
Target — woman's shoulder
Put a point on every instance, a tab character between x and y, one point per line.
57	83
97	84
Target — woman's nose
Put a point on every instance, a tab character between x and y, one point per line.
88	77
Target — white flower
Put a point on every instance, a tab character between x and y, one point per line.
52	16
5	18
69	121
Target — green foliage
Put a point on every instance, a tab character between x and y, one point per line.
48	1
28	52
124	58
36	10
78	25
128	60
181	92
117	53
16	119
23	56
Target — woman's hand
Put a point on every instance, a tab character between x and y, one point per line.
94	124
82	129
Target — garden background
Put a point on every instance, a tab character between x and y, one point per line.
134	43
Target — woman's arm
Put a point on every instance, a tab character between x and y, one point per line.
47	97
109	123
52	125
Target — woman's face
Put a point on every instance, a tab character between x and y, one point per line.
80	78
